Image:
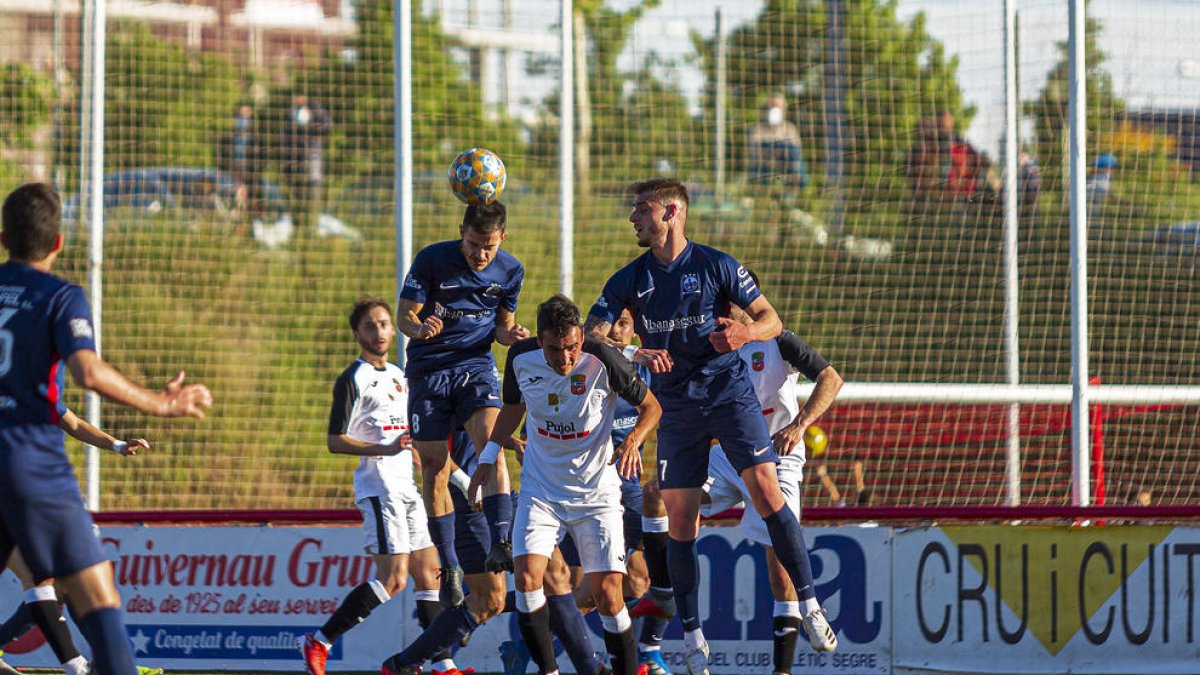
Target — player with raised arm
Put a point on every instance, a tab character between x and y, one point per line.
458	298
774	367
45	321
369	420
568	388
680	293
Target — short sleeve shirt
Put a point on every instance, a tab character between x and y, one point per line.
371	405
569	420
675	307
466	300
43	320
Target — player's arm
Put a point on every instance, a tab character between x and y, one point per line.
508	331
80	429
828	382
624	381
764	325
175	400
507	421
341	444
409	322
628	457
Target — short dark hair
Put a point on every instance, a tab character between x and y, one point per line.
32	214
664	189
363	306
558	315
486	218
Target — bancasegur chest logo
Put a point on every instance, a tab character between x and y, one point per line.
578	384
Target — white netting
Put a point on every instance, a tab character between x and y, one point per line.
873	212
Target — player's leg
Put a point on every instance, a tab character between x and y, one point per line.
57	539
658	607
386	527
430	424
785	617
637	579
566	621
604	567
423	567
744	437
533	614
789	474
683	442
497	506
486	600
45	612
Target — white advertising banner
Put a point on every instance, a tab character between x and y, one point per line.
1004	599
238	598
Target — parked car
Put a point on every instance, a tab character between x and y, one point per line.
207	193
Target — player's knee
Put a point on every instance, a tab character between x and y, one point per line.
652	502
485	605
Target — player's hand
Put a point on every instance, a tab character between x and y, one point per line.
628	459
400	444
656	360
189	401
133	445
517	445
484	474
729	335
431	327
515	333
787	438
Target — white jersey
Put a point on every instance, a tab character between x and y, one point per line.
569	421
371	405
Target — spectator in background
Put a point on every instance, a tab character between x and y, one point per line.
1099	185
240	155
966	170
302	151
774	148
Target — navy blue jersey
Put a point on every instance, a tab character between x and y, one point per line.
466	301
675	307
43	320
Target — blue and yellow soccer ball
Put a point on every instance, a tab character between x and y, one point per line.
477	176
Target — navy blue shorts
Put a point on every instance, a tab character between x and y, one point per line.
472	539
52	529
441	402
686	432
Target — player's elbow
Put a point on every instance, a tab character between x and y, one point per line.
832	379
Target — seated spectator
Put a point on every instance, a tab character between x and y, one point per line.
774	148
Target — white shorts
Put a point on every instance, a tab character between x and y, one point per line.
727	491
598	531
394	524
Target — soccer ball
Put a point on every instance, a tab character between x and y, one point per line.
477	176
815	441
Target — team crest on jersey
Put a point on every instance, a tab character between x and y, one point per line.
690	283
758	361
399	387
578	384
495	290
